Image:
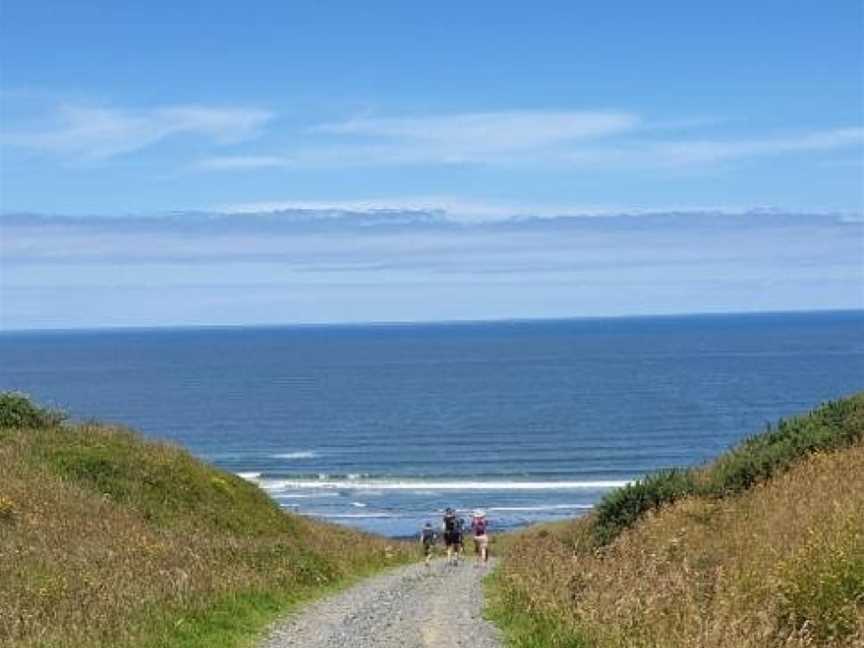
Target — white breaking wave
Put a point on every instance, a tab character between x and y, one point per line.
357	516
249	476
299	454
550	507
358	504
408	485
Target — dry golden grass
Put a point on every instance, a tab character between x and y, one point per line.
781	565
91	556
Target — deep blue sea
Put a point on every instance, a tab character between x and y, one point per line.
382	426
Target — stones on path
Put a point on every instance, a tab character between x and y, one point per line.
409	607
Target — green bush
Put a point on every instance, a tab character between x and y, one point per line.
622	507
18	412
834	425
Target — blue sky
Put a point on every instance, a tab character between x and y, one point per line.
474	112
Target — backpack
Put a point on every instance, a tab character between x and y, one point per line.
450	523
479	525
428	536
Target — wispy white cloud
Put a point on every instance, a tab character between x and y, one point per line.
327	156
706	151
461	209
490	131
236	162
597	139
466	138
604	139
450	208
463	138
164	270
98	132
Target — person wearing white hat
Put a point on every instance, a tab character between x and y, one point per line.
481	537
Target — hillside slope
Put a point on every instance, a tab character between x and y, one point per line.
776	559
110	540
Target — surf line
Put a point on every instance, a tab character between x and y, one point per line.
410	485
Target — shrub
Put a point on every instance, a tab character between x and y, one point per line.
622	507
834	425
18	412
777	565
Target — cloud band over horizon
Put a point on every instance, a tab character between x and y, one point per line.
307	266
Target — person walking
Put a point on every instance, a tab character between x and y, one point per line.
427	541
459	538
450	527
479	526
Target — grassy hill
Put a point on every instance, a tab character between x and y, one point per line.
763	547
110	540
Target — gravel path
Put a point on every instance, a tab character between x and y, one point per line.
409	607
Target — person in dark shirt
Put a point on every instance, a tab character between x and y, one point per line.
452	535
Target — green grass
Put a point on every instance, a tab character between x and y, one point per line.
522	627
824	583
234	620
762	547
123	542
166	486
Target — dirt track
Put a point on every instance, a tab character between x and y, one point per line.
410	607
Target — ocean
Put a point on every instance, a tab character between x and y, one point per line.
382	426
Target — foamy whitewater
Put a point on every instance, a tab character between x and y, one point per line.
289	485
381	427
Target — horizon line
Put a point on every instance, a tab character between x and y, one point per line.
420	323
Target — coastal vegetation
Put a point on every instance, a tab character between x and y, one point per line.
107	539
762	547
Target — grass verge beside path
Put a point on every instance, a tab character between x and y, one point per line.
236	619
766	550
110	540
